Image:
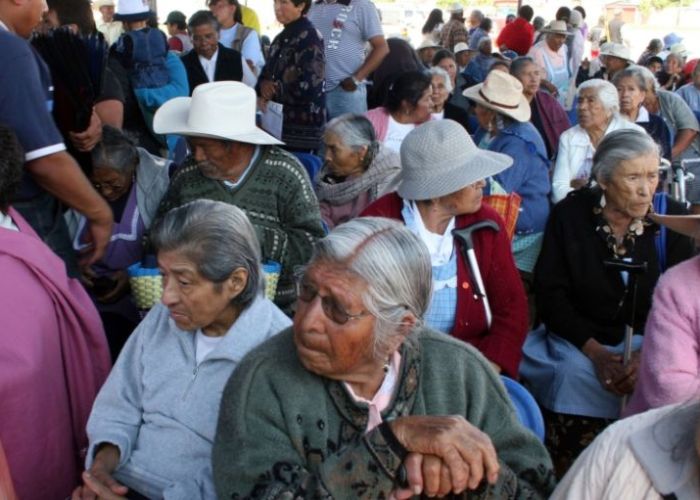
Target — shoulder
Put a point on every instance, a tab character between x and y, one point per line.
276	157
13	46
577	203
228	53
484	213
380	112
388	206
685	276
575	135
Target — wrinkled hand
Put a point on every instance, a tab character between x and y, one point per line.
429	475
466	452
609	369
268	90
578	183
625	384
121	287
98	481
86	140
87	276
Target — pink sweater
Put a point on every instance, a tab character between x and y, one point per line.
670	363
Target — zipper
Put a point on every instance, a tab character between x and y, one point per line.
191	383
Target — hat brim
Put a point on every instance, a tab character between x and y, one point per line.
478	166
132	18
689	225
556	32
608	54
171	118
522	113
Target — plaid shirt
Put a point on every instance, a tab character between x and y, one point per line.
453	33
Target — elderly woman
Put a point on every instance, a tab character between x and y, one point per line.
442	106
446	60
551	55
672	77
434	201
358	169
503	114
153	423
352	401
294	76
598	114
133	182
573	364
632	89
546	114
407	104
54	355
479	65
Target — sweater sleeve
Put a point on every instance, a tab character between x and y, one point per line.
309	67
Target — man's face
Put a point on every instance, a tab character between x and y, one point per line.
107	12
205	40
212	156
29	16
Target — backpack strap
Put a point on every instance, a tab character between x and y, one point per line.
660	207
241	35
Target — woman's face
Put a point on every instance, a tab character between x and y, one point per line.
223	11
484	116
325	347
555	41
529	76
591	112
673	65
631	96
110	183
420	113
342	160
449	65
465	201
286	12
440	93
195	302
632	186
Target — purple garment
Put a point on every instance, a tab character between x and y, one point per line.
554	119
53	360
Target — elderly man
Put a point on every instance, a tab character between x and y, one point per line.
209	61
690	92
235	162
552	57
50	174
347	26
110	28
454	31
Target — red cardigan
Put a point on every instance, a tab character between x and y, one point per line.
503	343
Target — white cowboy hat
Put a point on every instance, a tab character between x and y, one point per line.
103	3
217	110
429	43
132	10
502	93
460	47
618	50
556	28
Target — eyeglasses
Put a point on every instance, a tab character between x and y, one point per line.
306	292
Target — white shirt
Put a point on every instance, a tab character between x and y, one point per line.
395	134
250	48
7	222
204	345
209	66
437	116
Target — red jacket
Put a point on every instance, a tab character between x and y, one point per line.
503	343
517	36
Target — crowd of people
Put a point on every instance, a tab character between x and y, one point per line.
334	265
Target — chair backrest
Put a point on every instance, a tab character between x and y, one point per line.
312	164
526	407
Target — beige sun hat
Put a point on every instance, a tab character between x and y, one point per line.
428	43
616	50
456	8
502	93
688	225
556	28
439	158
460	47
217	110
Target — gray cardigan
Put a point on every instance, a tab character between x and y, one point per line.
159	407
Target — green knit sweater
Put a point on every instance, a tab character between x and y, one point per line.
277	197
286	433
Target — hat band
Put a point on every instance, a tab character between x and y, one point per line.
496	103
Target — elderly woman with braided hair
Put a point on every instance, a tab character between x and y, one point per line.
358	169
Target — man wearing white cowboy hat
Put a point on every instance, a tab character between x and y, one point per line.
551	56
613	57
454	30
426	50
235	162
462	56
110	28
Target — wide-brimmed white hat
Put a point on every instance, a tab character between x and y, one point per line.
217	110
460	47
132	10
689	225
679	50
429	43
556	28
618	50
503	93
439	158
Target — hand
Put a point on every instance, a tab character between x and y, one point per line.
349	84
466	451
86	140
609	369
625	385
429	475
578	183
121	287
585	64
99	233
98	481
87	276
268	90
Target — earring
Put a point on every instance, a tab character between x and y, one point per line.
386	367
602	200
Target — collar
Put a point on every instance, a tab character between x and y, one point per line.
3	26
643	115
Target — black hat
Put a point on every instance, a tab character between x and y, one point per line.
176	17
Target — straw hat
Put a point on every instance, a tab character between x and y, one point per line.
679	50
439	158
556	28
132	10
502	93
429	43
618	50
217	110
688	225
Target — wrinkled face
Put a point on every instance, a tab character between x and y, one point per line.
324	347
464	57
212	156
614	64
529	76
30	16
205	40
421	111
591	112
223	11
440	93
555	41
342	160
107	12
194	301
465	201
484	115
286	12
110	183
632	186
673	65
631	96
449	65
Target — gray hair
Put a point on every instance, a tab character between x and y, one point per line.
518	64
606	92
618	146
635	72
355	131
393	262
477	14
437	70
115	151
652	82
218	238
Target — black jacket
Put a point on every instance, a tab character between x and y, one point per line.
228	67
